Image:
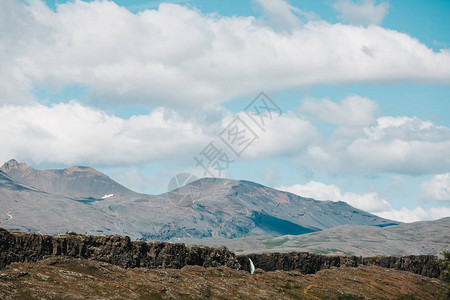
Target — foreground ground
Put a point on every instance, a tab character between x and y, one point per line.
64	278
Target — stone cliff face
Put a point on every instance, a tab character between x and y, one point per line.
426	265
121	251
309	263
117	250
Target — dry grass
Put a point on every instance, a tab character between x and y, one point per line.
83	279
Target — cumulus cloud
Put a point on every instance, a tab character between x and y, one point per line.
437	188
283	15
404	145
368	201
133	178
401	145
284	136
72	133
270	175
75	134
362	12
177	56
416	214
352	111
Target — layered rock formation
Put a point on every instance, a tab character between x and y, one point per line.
426	265
309	263
117	250
121	251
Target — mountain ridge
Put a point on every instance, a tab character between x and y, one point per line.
75	181
224	207
417	238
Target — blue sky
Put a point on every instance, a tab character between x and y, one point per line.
138	88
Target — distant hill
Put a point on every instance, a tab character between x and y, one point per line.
231	209
427	237
81	182
24	208
82	199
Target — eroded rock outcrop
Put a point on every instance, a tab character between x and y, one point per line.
426	265
309	263
121	251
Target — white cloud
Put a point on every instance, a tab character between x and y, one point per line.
437	188
368	201
352	111
75	134
270	175
176	56
417	214
363	12
283	15
133	178
71	133
393	144
402	144
285	136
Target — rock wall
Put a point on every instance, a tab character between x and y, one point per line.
309	263
426	265
121	251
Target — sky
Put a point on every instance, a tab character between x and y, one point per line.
355	104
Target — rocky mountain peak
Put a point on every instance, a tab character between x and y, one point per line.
13	165
76	181
223	207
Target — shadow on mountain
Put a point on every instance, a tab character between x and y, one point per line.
386	225
279	226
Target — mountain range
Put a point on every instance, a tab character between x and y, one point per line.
418	238
84	200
